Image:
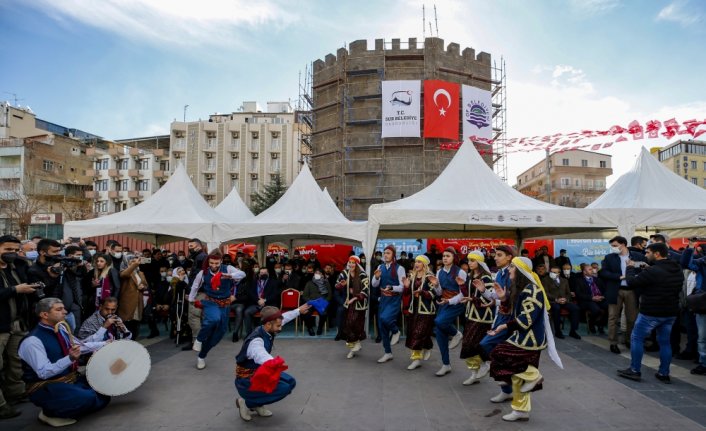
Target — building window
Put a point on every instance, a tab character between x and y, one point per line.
564	162
101	207
565	183
589	184
143	185
102	186
693	165
122	164
123	185
48	165
102	164
274	165
600	184
704	182
144	165
603	164
704	166
254	186
584	163
695	181
519	181
577	182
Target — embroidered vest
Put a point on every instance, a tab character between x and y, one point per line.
54	353
223	291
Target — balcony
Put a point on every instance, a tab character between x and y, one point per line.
91	173
11	172
158	174
208	190
209	167
113	173
158	152
91	194
113	194
133	172
133	194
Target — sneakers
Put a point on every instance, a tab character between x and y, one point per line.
386	357
614	348
527	386
455	341
427	355
263	412
501	397
699	370
357	347
628	373
662	378
243	409
574	334
483	370
395	338
200	363
55	422
351	354
415	364
444	370
516	416
197	346
472	379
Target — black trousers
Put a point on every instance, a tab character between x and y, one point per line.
573	315
597	312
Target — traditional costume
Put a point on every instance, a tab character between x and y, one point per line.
352	291
449	289
391	287
515	362
53	382
256	352
479	317
218	290
420	313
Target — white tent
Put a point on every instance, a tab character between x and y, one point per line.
176	211
233	208
469	199
652	197
304	214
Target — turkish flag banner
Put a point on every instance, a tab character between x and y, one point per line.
441	109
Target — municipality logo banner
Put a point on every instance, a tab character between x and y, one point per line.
400	109
477	113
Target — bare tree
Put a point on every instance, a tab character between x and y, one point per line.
19	206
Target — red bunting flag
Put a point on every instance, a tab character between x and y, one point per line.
441	109
635	129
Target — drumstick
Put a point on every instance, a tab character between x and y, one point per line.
64	326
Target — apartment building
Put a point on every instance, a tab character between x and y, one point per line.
685	158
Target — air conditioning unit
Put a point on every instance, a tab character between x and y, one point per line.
116	158
209	155
253	176
234	177
177	155
134	178
156	159
136	158
209	176
275	155
234	155
255	155
255	135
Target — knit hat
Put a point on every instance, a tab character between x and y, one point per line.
506	249
391	247
450	250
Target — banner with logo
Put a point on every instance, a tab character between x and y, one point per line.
583	250
401	109
477	113
441	100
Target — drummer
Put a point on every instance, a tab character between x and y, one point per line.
50	363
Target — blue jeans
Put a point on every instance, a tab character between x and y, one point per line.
213	327
701	343
258	399
642	329
388	312
444	328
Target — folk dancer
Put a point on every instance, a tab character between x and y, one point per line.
421	312
515	361
503	313
256	351
388	276
352	291
479	315
217	282
450	285
50	363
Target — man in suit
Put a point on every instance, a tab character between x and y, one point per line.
618	293
590	294
264	290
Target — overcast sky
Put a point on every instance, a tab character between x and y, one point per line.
126	68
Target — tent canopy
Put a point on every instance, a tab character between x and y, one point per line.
233	209
652	197
176	211
468	199
304	214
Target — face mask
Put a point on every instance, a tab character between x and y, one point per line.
181	258
278	271
289	271
163	274
8	257
263	276
317	276
117	255
553	276
169	278
362	261
615	249
256	270
92	252
32	255
567	272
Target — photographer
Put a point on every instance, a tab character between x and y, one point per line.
47	249
15	301
104	324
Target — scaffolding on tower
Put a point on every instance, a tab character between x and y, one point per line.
499	101
304	115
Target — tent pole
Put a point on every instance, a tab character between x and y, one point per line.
518	240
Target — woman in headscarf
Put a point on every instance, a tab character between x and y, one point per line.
131	300
421	312
352	291
179	315
104	283
479	314
515	361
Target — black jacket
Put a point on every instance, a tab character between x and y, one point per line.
659	287
23	302
271	292
583	289
611	272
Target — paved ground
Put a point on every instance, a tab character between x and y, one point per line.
335	393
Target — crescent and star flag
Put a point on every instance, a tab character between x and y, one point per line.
441	109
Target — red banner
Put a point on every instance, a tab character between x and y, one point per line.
441	110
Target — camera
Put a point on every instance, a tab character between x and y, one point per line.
39	289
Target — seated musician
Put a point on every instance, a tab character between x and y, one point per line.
104	324
50	362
